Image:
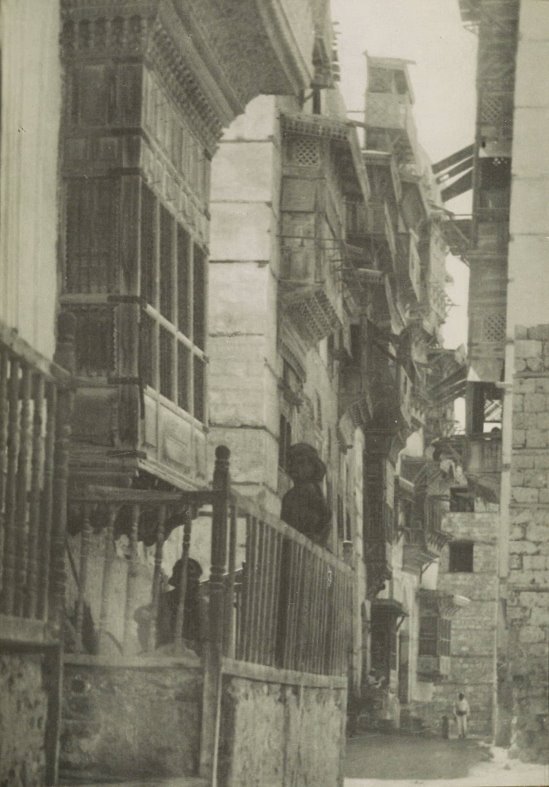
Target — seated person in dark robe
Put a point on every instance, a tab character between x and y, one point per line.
167	610
304	506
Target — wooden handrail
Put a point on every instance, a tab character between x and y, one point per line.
18	347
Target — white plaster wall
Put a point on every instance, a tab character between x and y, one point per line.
528	304
31	110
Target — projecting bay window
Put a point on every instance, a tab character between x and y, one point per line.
173	287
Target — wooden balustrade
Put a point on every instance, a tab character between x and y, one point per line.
35	404
273	597
292	600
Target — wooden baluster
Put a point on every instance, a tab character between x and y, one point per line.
247	593
288	611
308	622
271	590
157	579
10	544
4	411
85	539
229	637
211	704
106	582
305	643
276	596
21	562
59	509
318	615
133	569
152	637
251	568
336	604
46	501
180	614
258	591
321	595
34	506
251	535
265	578
313	653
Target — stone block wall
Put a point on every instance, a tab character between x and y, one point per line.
122	722
281	735
474	627
528	583
23	717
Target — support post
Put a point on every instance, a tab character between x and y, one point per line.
211	699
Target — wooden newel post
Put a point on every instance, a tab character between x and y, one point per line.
213	655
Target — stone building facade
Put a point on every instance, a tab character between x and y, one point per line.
508	349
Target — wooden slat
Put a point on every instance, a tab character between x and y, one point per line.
254	622
21	561
133	567
106	582
324	618
180	614
47	500
228	637
294	606
265	570
245	632
317	604
35	495
85	539
157	580
10	544
273	590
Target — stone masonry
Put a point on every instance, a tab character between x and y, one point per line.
528	584
474	627
23	715
120	722
281	735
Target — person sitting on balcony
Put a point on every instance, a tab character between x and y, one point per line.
168	603
304	506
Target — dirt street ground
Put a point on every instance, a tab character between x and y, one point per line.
376	760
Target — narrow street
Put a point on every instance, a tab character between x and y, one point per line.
375	760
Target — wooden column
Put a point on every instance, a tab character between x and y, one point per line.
211	700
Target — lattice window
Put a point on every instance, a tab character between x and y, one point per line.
306	152
493	327
94	341
491	109
173	286
92	232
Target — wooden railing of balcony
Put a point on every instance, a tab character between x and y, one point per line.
273	598
292	603
35	406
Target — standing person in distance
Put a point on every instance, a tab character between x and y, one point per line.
461	713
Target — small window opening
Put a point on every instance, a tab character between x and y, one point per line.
461	557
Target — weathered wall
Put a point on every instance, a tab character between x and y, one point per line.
31	107
242	299
278	735
121	722
528	582
23	716
473	642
